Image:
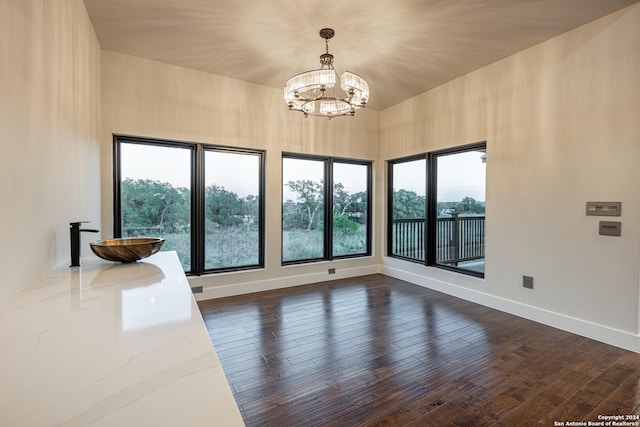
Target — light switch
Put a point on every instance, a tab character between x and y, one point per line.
610	228
604	208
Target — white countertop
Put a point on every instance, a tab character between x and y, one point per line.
111	344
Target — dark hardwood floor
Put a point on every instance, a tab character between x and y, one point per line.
378	351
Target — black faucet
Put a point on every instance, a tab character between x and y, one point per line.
75	230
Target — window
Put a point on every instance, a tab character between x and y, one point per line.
441	224
206	201
350	209
408	206
303	209
460	208
232	209
155	195
325	208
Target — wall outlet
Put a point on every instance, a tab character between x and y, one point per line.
332	271
196	289
527	282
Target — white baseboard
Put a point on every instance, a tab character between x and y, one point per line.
582	327
585	328
283	282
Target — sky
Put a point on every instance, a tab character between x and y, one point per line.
352	177
234	172
165	164
459	175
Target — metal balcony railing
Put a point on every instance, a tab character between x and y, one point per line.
458	238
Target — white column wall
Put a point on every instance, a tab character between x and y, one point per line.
49	127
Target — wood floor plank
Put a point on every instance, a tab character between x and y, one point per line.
377	351
448	414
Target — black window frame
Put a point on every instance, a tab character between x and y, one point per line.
328	206
197	196
390	164
431	200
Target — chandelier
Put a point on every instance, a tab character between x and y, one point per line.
316	92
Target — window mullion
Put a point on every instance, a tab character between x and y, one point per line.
369	207
117	190
197	211
431	209
261	211
328	209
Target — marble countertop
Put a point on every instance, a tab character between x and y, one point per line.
110	344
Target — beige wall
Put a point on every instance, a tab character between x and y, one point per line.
49	124
147	98
562	125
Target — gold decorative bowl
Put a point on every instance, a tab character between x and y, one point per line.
126	249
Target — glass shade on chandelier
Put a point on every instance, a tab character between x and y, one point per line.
322	93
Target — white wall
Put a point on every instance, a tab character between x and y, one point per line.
562	125
148	98
49	128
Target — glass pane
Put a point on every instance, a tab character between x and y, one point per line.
232	214
408	222
461	207
155	192
302	209
349	209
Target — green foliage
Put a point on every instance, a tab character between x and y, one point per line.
303	244
223	207
343	225
302	225
292	218
181	243
234	246
147	203
468	205
299	244
349	247
408	204
307	211
353	206
154	207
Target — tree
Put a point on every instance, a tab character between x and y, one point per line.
351	206
343	225
407	204
223	207
150	203
357	209
468	205
309	197
251	206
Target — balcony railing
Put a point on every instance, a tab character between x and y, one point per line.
458	239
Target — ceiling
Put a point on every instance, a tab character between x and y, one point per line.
401	47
